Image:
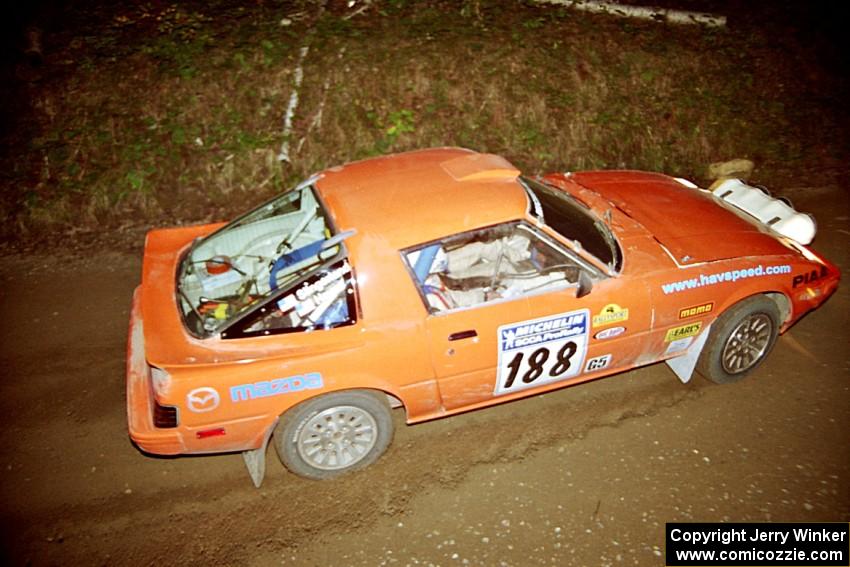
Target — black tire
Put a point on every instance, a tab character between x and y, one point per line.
740	340
334	434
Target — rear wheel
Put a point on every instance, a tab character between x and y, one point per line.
740	339
334	434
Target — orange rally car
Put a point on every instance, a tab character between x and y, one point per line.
442	281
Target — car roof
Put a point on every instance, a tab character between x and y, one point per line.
419	196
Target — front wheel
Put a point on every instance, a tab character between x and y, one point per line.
740	339
334	434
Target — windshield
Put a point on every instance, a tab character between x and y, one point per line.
573	220
245	262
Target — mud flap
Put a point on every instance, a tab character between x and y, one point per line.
255	460
683	366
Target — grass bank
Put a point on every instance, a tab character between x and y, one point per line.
165	113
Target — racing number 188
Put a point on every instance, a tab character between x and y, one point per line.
536	361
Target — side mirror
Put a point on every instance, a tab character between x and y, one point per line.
585	284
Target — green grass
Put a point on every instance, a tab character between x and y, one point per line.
174	114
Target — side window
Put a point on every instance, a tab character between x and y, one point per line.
498	262
323	301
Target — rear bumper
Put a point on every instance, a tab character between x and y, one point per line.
139	394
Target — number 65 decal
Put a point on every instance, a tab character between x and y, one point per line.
536	352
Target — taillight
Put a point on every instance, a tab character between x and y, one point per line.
164	417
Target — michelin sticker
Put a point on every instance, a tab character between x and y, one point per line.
540	351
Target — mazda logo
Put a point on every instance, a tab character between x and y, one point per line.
201	400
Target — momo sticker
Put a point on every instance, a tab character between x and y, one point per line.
610	314
696	310
684	331
540	351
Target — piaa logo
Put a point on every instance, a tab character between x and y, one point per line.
201	400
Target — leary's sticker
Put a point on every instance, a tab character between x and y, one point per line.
597	363
610	314
540	351
243	392
683	331
696	310
610	333
202	400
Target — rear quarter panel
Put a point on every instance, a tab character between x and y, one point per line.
251	394
384	351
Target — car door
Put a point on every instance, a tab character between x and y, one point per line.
591	324
505	317
458	278
464	347
616	317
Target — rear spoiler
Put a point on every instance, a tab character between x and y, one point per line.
776	213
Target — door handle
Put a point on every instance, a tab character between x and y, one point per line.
460	335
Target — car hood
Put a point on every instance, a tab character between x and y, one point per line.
691	223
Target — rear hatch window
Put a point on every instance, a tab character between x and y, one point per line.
243	264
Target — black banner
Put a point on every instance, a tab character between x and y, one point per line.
758	544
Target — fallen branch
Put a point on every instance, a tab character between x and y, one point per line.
293	105
365	5
283	155
642	12
317	116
